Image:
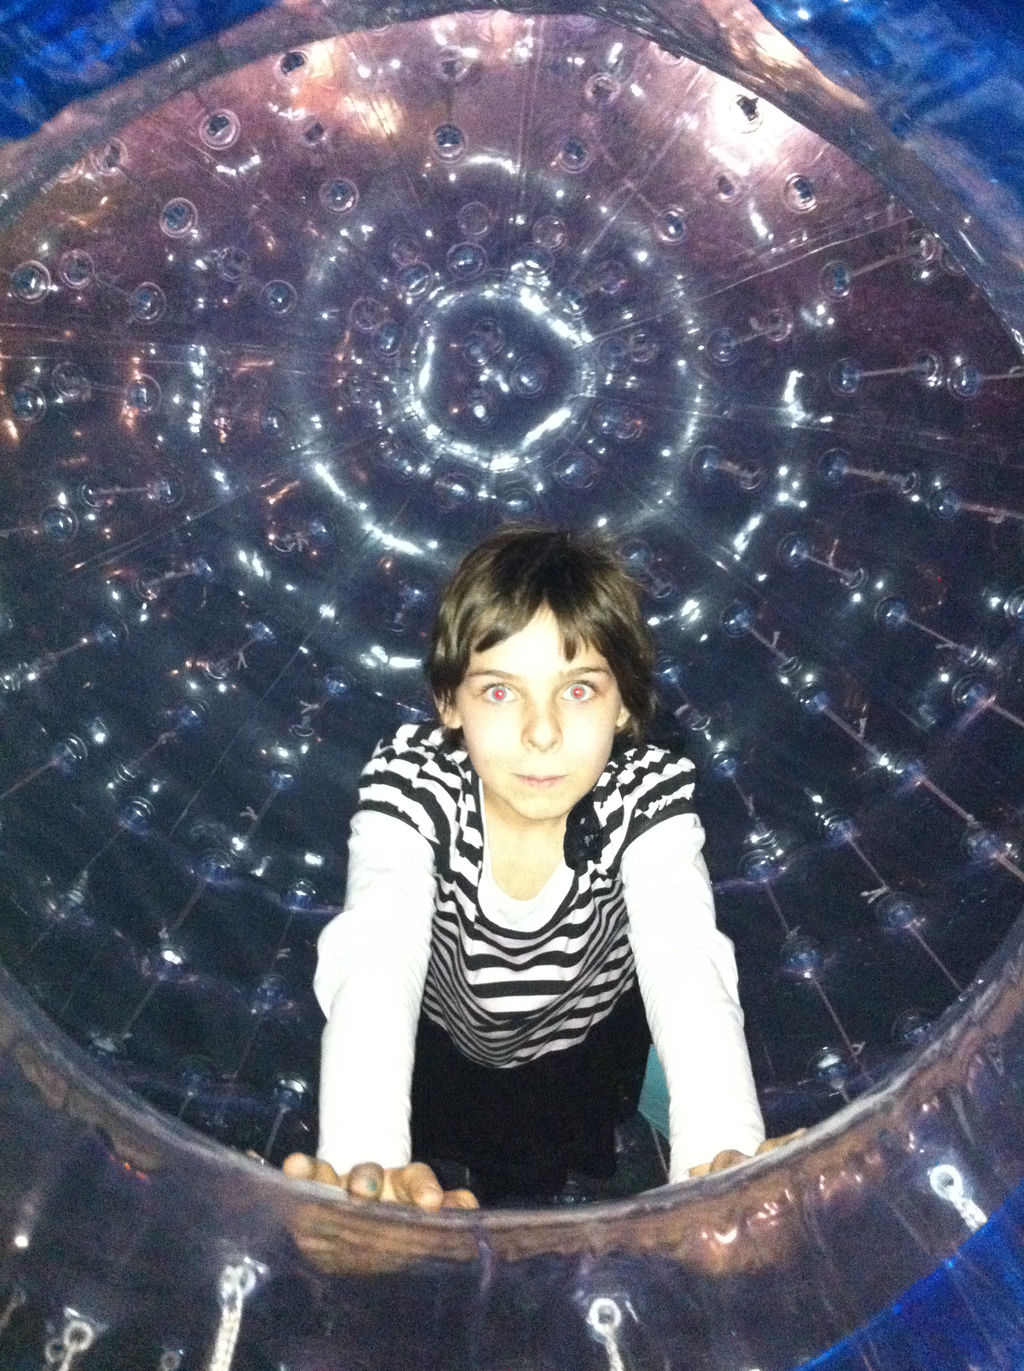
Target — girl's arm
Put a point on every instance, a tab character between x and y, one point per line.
372	963
688	980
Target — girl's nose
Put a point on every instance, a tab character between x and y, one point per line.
541	728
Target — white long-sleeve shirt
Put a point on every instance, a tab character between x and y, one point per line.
375	956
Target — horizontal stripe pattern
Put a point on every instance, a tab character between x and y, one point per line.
508	995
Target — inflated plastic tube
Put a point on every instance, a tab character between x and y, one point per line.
890	1235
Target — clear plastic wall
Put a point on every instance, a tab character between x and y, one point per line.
300	301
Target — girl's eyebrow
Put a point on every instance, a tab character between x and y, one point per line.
564	675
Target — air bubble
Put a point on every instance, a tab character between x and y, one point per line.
466	260
749	110
452	490
602	89
452	66
450	142
777	325
404	251
71	383
576	470
28	404
613	354
279	296
830	1067
972	692
529	375
137	816
415	279
270	996
891	613
178	217
517	502
367	314
911	1027
927	369
550	232
147	302
109	158
68	755
76	269
706	461
219	129
737	619
30	282
387	339
59	524
474	219
897	912
142	396
802	957
760	866
291	65
232	264
617	421
845	376
834	465
813	699
534	261
574	155
981	844
724	765
965	381
800	194
483	341
339	195
643	345
672	225
836	280
793	551
723	347
300	896
611	277
945	502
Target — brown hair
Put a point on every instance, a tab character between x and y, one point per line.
501	584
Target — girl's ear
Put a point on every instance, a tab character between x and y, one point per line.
623	721
448	714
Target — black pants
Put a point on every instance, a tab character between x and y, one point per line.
523	1131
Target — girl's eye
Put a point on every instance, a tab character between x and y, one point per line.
497	694
580	691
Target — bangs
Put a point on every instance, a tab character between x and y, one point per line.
573	629
566	596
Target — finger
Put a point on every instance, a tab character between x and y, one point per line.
417	1185
726	1159
770	1144
460	1199
298	1166
366	1182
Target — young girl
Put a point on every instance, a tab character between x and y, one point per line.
525	896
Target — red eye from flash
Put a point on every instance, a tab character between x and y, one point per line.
578	692
499	693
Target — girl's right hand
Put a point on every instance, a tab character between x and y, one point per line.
414	1185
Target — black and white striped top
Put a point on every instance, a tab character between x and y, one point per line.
507	991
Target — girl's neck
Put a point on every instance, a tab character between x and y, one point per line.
523	857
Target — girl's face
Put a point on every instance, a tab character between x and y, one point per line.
537	725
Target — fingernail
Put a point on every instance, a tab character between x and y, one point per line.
372	1184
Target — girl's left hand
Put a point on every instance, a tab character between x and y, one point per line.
733	1158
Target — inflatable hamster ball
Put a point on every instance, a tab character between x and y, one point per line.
299	302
